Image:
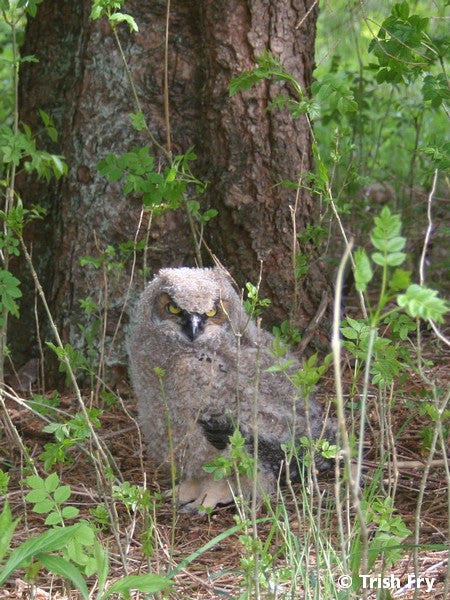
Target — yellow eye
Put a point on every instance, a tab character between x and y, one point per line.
211	313
173	308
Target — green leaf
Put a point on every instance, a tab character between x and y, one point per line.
42	507
59	166
435	89
244	81
387	226
138	121
7	527
70	512
49	541
363	270
45	117
85	534
281	367
109	168
379	259
391	260
349	333
117	17
395	244
36	496
422	302
147	584
9	291
63	568
395	259
101	558
31	7
346	105
401	10
359	326
52	481
34	482
208	215
400	280
53	518
62	494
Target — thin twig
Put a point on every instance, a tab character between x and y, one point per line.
428	231
306	15
423	484
166	82
130	282
105	458
166	152
344	235
426	242
314	323
397	39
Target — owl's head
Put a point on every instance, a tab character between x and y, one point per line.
193	306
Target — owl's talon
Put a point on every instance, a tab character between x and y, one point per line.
188	491
209	493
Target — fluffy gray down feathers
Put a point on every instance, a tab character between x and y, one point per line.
204	387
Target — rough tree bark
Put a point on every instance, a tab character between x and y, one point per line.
243	149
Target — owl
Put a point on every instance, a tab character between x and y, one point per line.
202	369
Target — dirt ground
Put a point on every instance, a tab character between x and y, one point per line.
216	573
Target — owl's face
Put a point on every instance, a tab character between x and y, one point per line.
193	307
189	325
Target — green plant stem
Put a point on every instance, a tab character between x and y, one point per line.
443	443
336	346
382	296
173	467
11	179
295	244
347	243
359	129
362	421
101	356
254	501
381	127
418	121
393	470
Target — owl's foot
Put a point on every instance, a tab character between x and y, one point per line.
195	494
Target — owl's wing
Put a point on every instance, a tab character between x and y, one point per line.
271	455
275	431
217	429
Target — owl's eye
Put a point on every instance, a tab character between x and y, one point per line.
173	309
211	313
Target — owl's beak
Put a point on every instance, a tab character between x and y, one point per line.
192	325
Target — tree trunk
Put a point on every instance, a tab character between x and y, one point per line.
249	150
243	150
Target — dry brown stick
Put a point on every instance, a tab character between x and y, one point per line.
314	323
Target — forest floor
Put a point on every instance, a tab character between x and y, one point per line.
217	572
